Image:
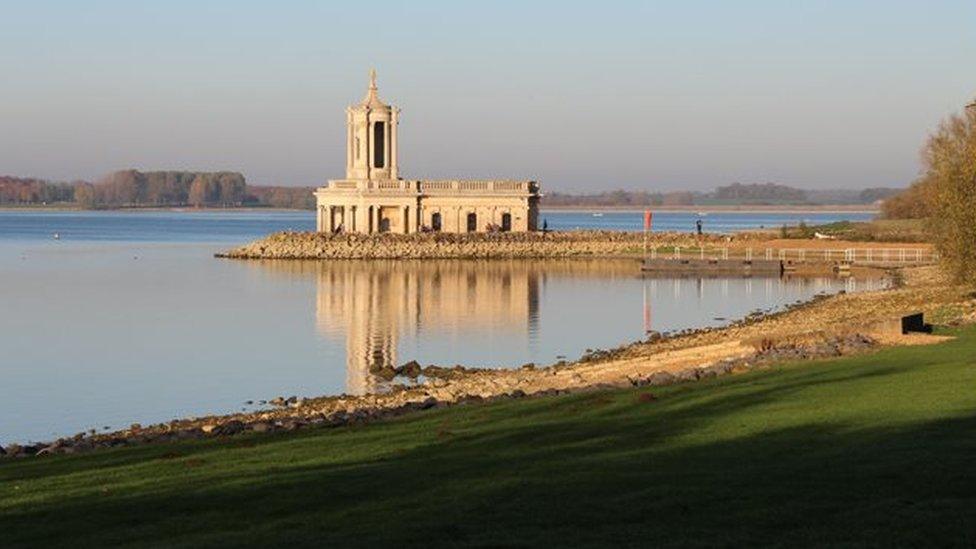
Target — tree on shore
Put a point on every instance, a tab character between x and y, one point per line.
949	180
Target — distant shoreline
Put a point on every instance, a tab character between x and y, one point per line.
751	208
175	209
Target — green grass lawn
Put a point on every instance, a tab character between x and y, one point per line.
871	450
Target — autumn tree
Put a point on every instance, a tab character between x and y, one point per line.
200	190
949	159
915	202
84	195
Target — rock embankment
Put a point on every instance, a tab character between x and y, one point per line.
562	244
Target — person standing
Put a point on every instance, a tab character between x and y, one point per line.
698	226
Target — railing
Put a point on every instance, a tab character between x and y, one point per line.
437	186
477	186
863	256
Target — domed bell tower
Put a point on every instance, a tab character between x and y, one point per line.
371	133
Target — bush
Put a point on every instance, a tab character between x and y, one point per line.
912	203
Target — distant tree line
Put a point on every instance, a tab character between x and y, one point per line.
733	194
17	190
298	198
132	188
619	198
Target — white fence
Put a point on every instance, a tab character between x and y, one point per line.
863	256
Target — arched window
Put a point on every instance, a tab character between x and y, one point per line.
472	222
435	221
506	222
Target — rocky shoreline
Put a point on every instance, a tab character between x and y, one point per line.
535	245
827	326
292	413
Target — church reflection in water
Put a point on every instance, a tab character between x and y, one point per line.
377	303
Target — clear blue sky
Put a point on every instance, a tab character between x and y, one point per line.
581	96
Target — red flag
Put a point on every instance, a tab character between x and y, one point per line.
647	220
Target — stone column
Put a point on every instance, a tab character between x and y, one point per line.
369	147
386	145
349	144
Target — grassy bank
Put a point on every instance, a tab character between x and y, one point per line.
878	230
868	450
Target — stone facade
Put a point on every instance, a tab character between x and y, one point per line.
374	199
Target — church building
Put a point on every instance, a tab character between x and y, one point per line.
374	199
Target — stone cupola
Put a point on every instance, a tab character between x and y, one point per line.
371	132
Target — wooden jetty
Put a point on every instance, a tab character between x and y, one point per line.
707	266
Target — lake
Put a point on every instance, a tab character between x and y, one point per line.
129	318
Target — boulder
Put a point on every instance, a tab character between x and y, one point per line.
231	427
690	374
411	369
660	378
49	450
291	425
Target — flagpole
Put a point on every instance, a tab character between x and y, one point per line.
647	228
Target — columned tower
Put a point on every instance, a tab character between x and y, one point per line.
371	137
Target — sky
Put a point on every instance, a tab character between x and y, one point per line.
581	96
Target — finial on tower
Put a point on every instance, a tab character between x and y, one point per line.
372	99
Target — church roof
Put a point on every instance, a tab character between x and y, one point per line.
372	99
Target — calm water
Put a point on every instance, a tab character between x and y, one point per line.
129	318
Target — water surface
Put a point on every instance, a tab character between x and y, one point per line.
129	318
